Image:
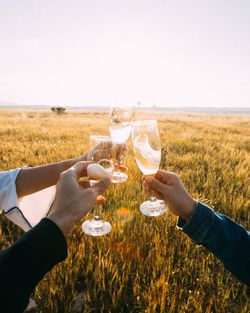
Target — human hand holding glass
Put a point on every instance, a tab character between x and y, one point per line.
147	153
102	151
169	187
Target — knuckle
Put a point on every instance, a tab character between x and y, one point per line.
63	175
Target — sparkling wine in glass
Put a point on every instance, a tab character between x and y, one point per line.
147	153
121	118
102	151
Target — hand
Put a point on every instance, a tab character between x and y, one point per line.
72	202
168	187
104	150
121	168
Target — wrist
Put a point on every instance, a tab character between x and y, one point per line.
63	222
189	210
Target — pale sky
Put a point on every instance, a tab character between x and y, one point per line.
107	52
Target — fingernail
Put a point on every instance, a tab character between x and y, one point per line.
149	179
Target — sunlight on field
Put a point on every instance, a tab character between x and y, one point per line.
144	264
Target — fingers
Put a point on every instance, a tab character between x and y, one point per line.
85	184
70	177
107	144
121	168
81	169
103	150
155	184
161	174
152	192
101	186
100	200
167	178
78	170
146	187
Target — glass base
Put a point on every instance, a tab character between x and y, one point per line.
96	227
153	208
119	177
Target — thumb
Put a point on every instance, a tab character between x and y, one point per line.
155	184
79	169
71	175
102	185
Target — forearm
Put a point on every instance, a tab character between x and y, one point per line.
33	179
226	239
24	264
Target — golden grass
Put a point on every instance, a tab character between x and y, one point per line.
144	264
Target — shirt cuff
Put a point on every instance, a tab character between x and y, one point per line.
199	223
8	195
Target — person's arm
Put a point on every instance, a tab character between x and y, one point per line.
33	179
25	263
225	238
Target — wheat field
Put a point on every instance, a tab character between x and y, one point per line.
144	264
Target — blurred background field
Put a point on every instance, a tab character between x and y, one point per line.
144	264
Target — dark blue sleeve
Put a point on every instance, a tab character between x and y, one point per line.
226	239
25	263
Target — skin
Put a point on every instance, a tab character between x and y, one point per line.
33	179
73	200
168	187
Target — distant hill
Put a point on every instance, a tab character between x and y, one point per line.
205	110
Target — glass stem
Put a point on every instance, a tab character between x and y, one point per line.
152	199
97	212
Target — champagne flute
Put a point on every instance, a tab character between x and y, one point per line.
120	129
147	153
102	150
